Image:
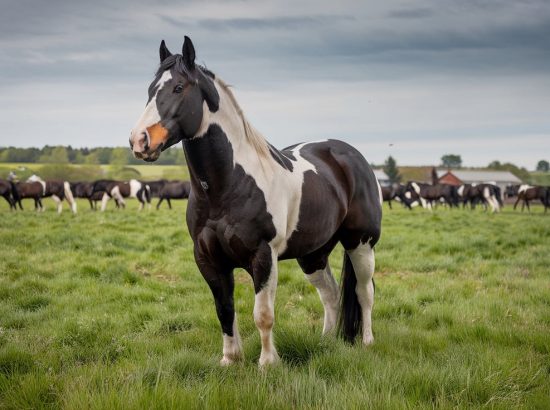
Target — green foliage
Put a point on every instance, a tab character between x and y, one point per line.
69	172
108	310
118	156
451	161
543	166
391	170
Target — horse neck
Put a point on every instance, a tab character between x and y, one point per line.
224	139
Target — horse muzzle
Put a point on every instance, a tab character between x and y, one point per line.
141	147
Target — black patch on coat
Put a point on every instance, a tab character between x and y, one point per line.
280	158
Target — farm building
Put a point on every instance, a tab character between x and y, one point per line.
459	177
382	177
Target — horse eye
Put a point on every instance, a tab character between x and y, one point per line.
178	88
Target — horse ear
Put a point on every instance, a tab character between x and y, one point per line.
188	53
164	53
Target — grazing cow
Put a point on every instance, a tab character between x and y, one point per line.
8	191
252	204
174	190
120	190
528	193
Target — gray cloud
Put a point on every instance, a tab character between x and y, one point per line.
50	49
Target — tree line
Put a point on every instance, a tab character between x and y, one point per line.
68	155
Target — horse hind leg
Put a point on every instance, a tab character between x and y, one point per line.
362	261
320	276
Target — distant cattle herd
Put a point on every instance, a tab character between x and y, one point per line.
98	191
409	195
486	195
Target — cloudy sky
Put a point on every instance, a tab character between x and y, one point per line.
415	80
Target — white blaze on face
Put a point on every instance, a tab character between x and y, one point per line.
151	115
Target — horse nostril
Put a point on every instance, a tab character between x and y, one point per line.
145	142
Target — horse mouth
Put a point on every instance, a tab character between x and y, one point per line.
149	156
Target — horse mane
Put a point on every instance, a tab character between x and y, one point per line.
253	136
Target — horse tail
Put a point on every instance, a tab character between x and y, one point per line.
350	317
69	195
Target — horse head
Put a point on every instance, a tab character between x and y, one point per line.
177	98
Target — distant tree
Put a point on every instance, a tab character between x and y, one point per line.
92	158
543	166
494	165
391	170
56	155
119	156
451	161
521	173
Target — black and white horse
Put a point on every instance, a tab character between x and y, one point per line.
251	204
485	194
430	195
156	186
9	192
398	193
36	188
118	190
85	190
528	193
174	190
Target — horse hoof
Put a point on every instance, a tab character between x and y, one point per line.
367	341
268	360
226	361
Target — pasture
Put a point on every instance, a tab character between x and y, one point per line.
108	310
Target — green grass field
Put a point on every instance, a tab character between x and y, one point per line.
108	310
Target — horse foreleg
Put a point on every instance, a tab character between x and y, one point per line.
104	201
264	275
159	202
516	203
528	208
222	284
169	203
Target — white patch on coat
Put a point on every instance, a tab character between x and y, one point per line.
57	201
264	314
69	196
150	115
523	188
380	197
328	293
232	346
362	259
135	186
460	190
282	188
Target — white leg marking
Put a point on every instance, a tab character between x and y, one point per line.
104	201
232	346
329	293
362	259
58	203
264	315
